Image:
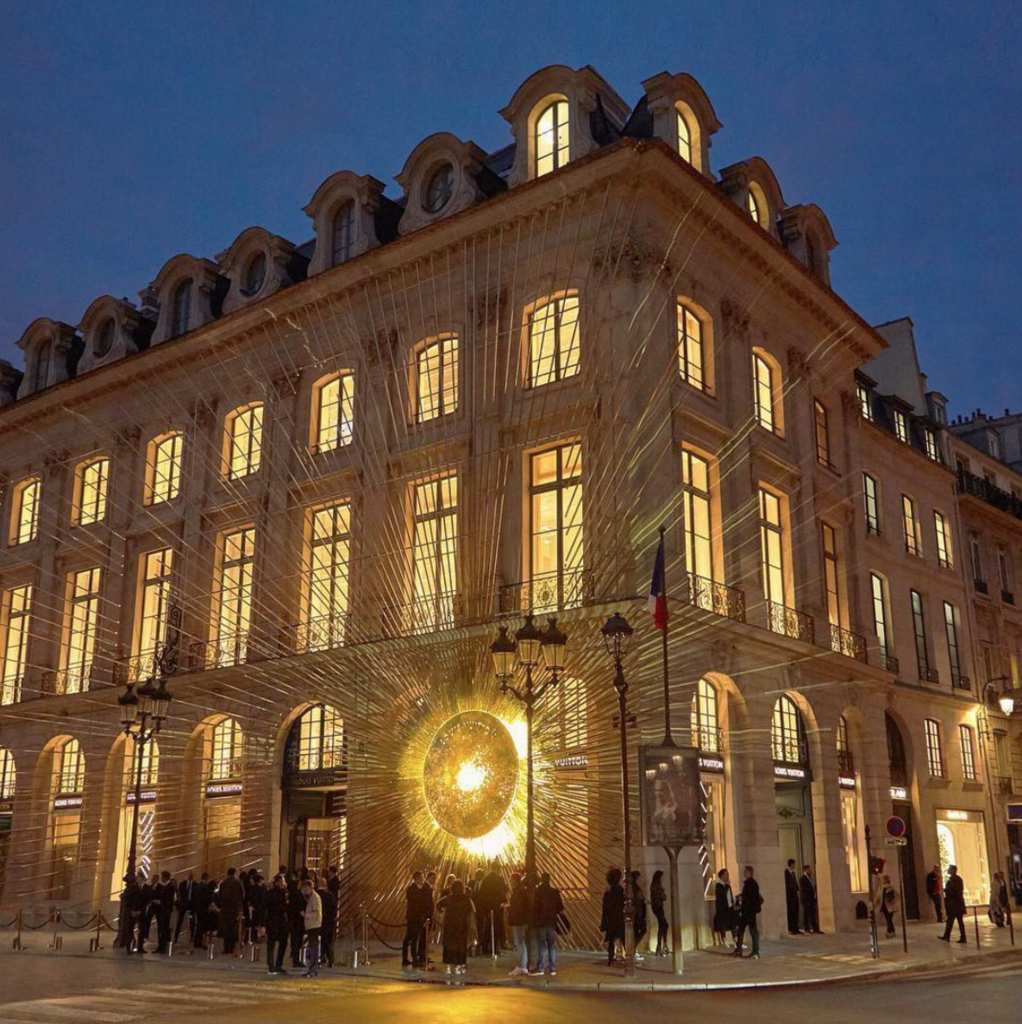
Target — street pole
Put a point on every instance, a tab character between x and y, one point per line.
621	685
138	743
677	957
530	823
874	943
904	925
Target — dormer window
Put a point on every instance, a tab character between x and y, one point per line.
754	206
901	426
552	138
343	233
104	338
439	189
684	137
255	273
181	308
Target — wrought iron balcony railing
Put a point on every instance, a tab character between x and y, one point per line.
318	634
929	675
1007	597
845	762
547	592
844	641
790	622
711	596
960	682
978	487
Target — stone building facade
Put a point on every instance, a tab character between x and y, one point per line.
346	462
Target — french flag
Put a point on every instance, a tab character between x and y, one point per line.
657	590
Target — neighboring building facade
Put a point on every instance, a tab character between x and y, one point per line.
346	462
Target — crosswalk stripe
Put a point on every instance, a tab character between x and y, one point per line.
61	1009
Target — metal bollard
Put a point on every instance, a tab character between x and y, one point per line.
211	948
16	945
493	940
365	938
56	941
975	921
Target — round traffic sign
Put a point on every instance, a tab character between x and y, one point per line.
896	826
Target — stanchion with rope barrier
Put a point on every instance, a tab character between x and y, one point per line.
16	944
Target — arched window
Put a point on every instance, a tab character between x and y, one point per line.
42	366
181	308
684	135
91	479
844	751
8	775
705	724
320	739
225	751
690	347
149	756
756	205
255	274
436	378
243	441
766	392
104	340
553	341
69	769
333	404
787	738
552	138
163	468
25	511
343	233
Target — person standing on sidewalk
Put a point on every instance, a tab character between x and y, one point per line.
750	904
810	904
418	906
275	912
639	909
612	921
295	906
329	932
518	915
724	918
791	897
165	892
933	891
230	899
1000	905
312	919
457	908
658	901
954	904
547	908
885	901
185	888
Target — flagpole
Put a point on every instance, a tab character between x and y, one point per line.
668	738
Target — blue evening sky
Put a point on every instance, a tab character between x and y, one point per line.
131	132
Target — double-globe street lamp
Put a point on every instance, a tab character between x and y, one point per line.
535	651
143	711
616	634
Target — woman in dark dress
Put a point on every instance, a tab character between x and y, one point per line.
639	909
612	923
724	917
657	900
457	910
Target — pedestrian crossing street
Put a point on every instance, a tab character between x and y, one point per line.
189	997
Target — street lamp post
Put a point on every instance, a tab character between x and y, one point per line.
143	711
529	650
616	633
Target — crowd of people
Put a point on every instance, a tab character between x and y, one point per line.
293	909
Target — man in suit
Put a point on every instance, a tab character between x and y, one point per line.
751	903
202	897
230	899
165	893
933	888
791	897
954	904
418	909
810	905
185	888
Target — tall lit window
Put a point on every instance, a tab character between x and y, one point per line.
976	557
945	552
17	612
934	751
320	739
334	412
434	553
690	348
553	341
881	617
555	527
865	400
901	426
157	569
871	498
822	434
684	137
752	206
343	233
705	729
244	441
763	393
163	468
81	626
1004	567
147	758
932	451
329	552
697	523
968	753
954	651
233	617
70	767
225	751
771	538
910	526
436	378
91	491
8	775
786	740
919	632
25	510
831	578
552	138
181	309
844	750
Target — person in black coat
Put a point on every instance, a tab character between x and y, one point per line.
750	903
183	904
658	902
933	889
164	894
230	901
418	911
791	891
639	912
276	924
725	920
125	919
612	920
256	905
328	930
202	897
954	904
296	919
810	905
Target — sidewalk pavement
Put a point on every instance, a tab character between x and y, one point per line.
790	961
